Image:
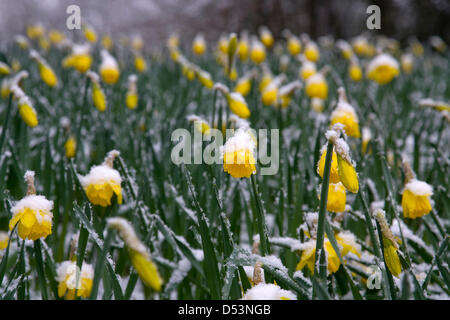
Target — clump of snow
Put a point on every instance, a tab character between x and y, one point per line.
241	140
108	61
100	174
419	188
268	291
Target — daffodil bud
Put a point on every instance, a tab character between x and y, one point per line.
139	255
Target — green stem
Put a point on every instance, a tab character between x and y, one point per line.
40	268
260	220
5	124
323	204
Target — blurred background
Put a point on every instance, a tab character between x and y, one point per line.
154	20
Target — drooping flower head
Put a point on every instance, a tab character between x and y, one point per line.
346	115
4	68
307	69
33	214
199	45
238	154
46	72
294	45
270	94
266	37
345	165
235	100
26	109
139	255
244	84
311	51
316	86
102	182
109	68
258	52
132	95
345	48
80	58
383	68
243	46
200	124
67	275
390	245
98	97
407	63
89	33
416	195
347	243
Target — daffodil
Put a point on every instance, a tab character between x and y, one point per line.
361	46
46	72
200	124
4	68
294	45
334	175
416	199
238	155
417	48
173	41
366	137
205	78
67	275
71	147
35	31
244	85
336	197
438	44
4	240
390	245
407	63
345	48
26	110
312	52
286	92
132	95
103	182
107	42
137	43
307	69
346	115
139	63
243	47
355	72
80	58
33	214
266	37
345	240
316	86
199	45
139	255
22	41
56	36
257	52
98	97
89	34
270	94
383	68
109	69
